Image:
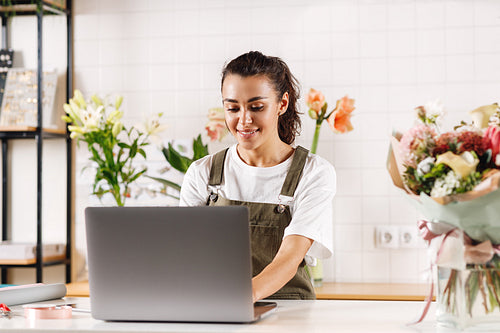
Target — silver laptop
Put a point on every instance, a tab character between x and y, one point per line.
184	264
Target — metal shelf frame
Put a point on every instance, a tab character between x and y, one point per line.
39	8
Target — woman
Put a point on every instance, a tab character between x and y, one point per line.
288	191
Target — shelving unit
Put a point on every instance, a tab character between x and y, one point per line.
39	9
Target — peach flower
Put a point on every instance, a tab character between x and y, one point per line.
340	119
315	101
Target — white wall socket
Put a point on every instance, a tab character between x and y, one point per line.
393	237
387	237
408	237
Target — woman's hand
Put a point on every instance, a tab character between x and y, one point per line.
283	267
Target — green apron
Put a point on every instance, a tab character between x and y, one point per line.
267	224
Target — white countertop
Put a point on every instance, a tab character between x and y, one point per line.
291	316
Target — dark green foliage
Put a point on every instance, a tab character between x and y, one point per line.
180	162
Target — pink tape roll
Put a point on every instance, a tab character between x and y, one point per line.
47	311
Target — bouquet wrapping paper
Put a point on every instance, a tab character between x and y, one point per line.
463	234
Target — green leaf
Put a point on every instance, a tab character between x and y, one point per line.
199	149
165	152
137	175
166	182
493	287
133	149
142	152
176	160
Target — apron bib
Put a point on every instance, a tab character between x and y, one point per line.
267	224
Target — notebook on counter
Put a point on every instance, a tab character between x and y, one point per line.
31	293
182	264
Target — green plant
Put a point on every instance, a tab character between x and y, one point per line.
180	162
113	147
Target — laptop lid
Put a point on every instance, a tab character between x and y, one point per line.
169	264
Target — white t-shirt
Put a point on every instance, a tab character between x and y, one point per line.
311	207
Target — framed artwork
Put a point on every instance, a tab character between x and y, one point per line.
19	102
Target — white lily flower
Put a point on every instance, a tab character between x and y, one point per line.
92	118
118	101
114	116
117	128
152	127
78	97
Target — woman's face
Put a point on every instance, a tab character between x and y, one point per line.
252	109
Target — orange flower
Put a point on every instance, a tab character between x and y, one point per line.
315	101
340	119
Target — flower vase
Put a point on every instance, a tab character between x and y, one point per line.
317	274
468	298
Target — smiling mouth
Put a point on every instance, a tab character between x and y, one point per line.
247	133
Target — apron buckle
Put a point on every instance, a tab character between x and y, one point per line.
214	197
280	208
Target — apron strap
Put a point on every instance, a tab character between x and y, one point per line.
217	169
295	171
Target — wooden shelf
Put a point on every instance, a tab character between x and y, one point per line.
39	9
30	6
30	129
77	289
373	291
329	290
30	261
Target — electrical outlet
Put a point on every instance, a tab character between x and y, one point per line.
387	237
408	237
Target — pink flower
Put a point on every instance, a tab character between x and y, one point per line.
417	144
491	141
216	126
315	101
340	119
216	130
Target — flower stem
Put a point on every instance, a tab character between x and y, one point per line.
481	288
314	145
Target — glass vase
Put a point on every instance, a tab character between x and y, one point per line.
469	298
317	274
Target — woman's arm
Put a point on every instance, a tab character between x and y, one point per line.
283	267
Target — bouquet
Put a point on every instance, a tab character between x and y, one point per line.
113	147
453	179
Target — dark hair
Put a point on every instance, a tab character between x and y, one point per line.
277	71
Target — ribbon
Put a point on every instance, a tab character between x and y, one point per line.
425	232
428	235
480	253
473	254
47	311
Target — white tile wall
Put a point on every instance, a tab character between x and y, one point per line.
391	56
